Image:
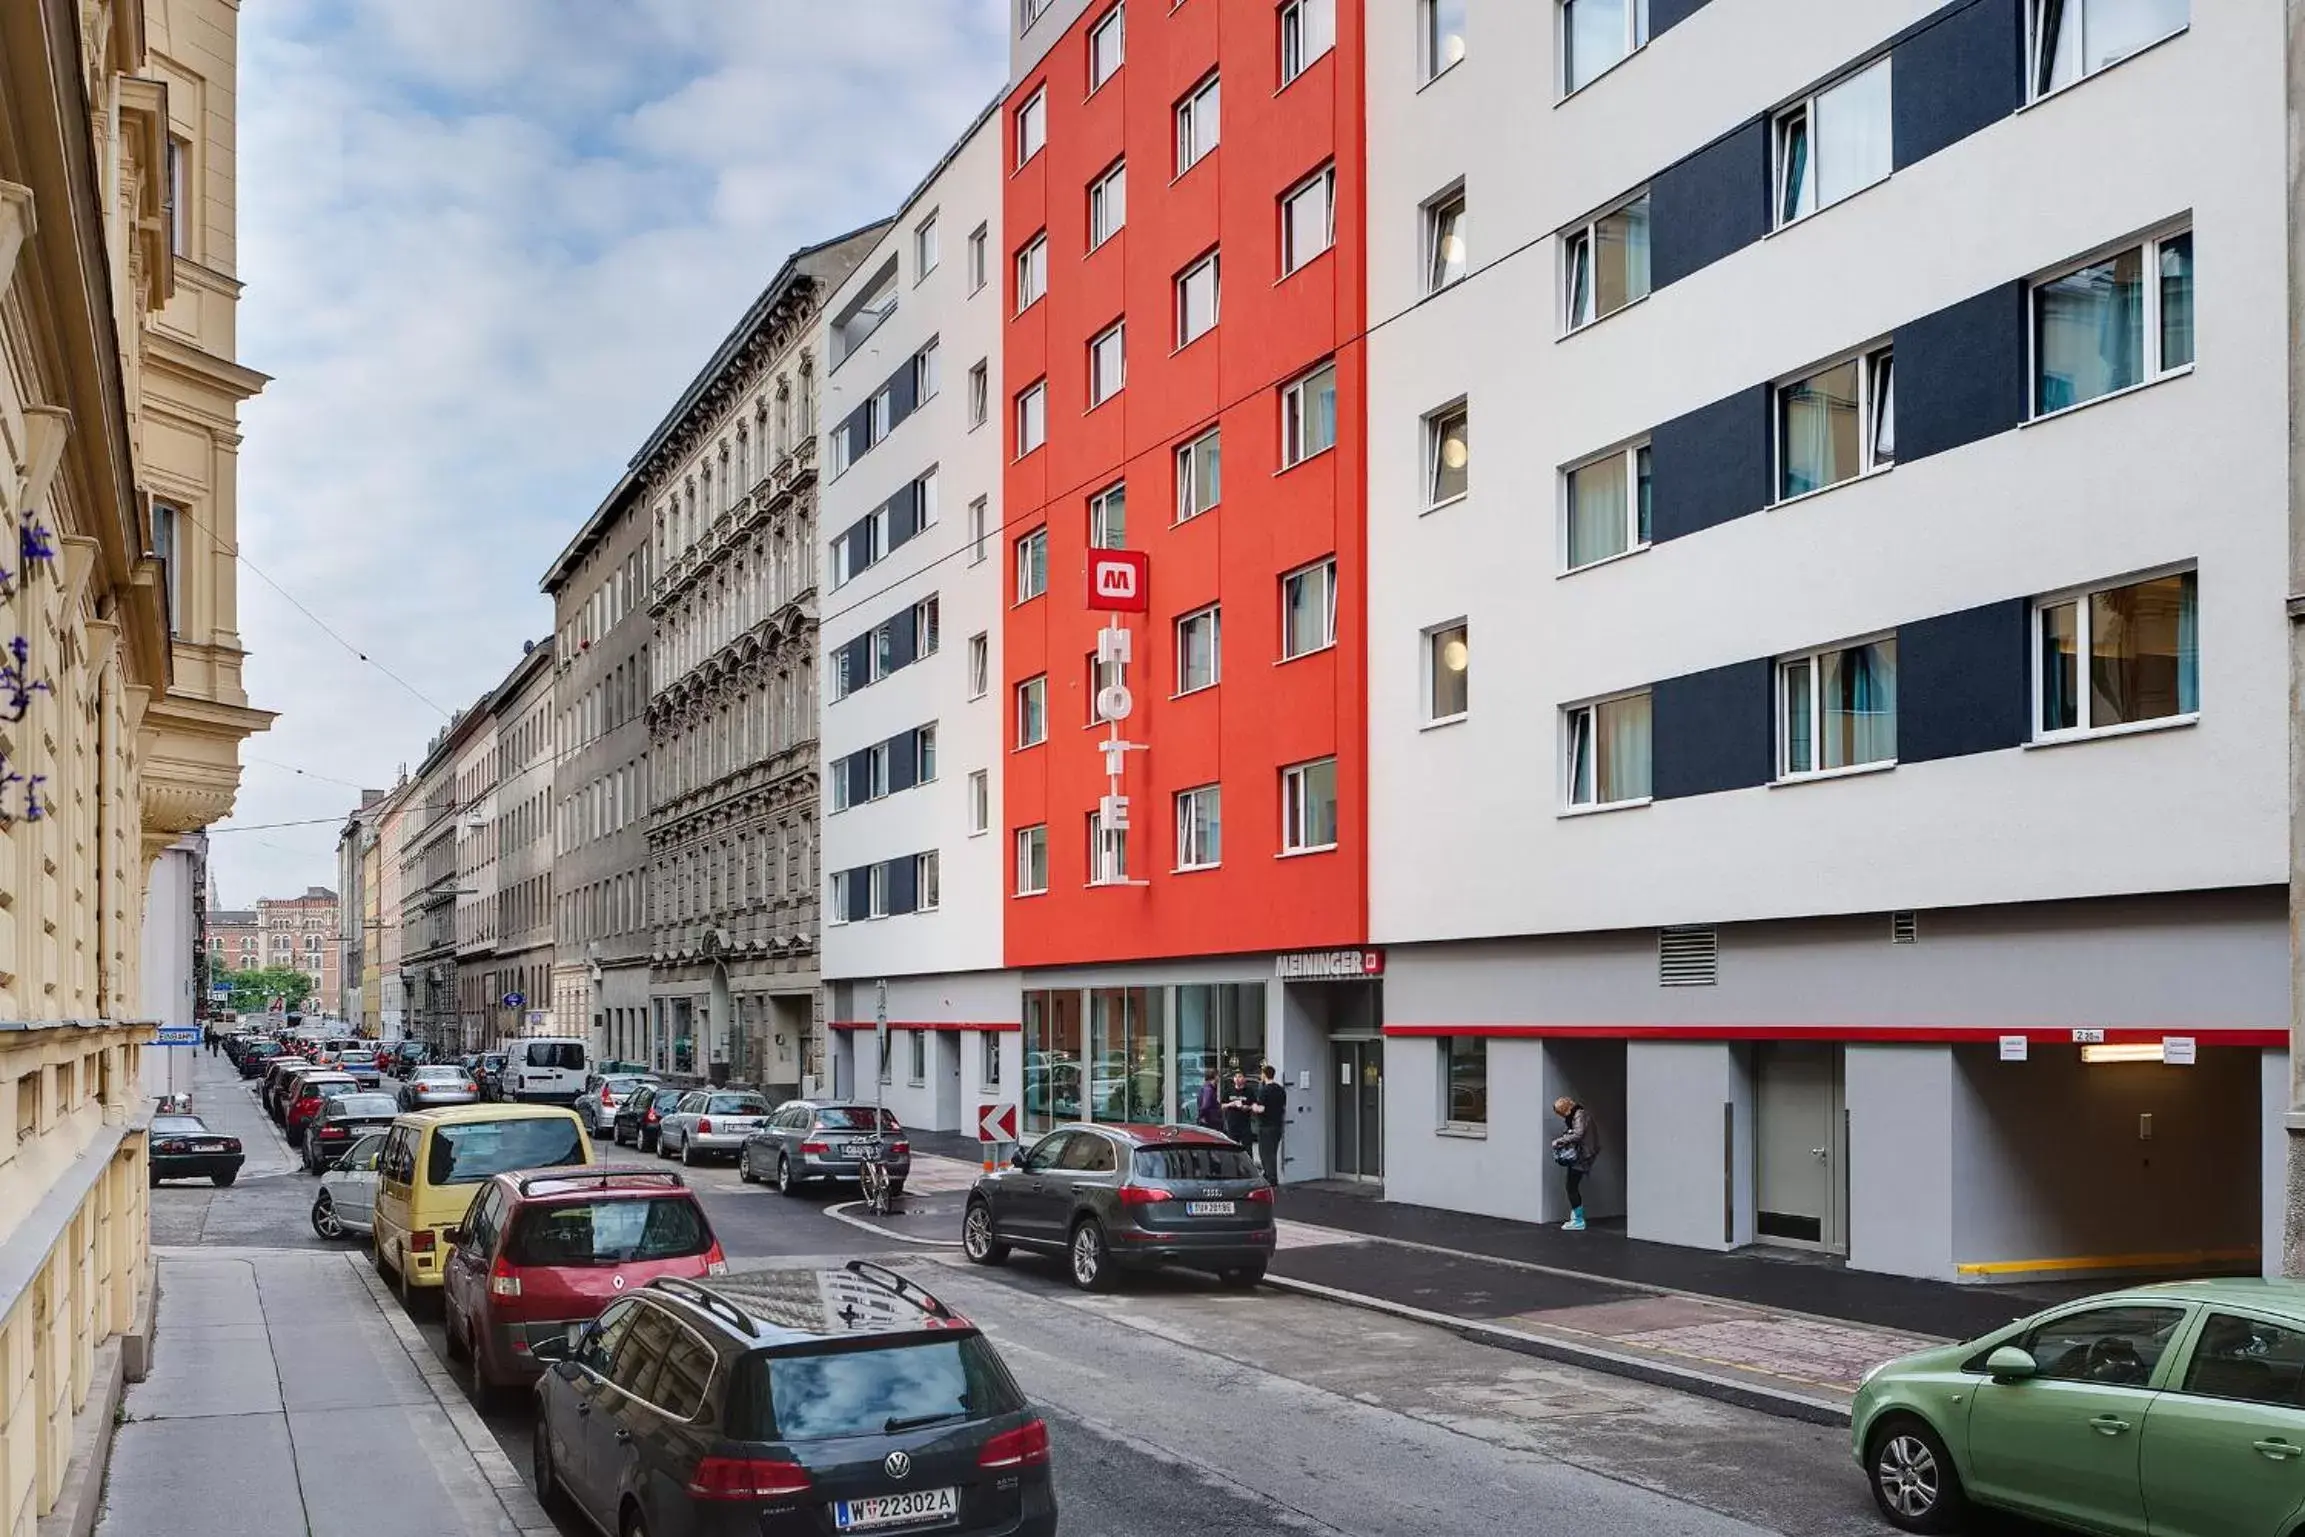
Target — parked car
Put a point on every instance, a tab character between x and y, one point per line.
710	1123
434	1161
602	1092
805	1141
852	1401
540	1254
256	1056
182	1147
551	1068
312	1090
279	1077
346	1201
364	1064
342	1121
488	1072
640	1114
429	1088
409	1055
1114	1197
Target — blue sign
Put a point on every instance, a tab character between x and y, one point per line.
179	1035
515	1000
220	991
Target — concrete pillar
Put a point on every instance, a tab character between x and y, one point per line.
2293	1204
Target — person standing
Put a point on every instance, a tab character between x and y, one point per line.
1240	1123
1272	1114
1574	1150
1209	1110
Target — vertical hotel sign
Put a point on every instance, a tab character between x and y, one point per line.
1118	583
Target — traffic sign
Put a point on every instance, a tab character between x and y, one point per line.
220	990
179	1035
996	1123
515	1000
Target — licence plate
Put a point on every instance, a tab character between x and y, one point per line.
896	1509
208	1147
858	1149
1208	1208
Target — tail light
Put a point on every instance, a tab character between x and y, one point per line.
421	1240
747	1478
899	1147
704	1124
1142	1195
607	1099
816	1147
172	1145
503	1280
1024	1447
1261	1196
652	1117
715	1262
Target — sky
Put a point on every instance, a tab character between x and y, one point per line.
486	243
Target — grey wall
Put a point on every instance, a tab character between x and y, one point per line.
2273	1160
1675	1098
1900	1175
1505	1173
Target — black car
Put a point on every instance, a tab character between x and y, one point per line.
256	1054
781	1402
1111	1198
639	1117
342	1121
182	1147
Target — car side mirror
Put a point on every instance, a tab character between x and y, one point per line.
453	1237
1017	1158
2010	1364
551	1350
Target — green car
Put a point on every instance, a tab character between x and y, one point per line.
2165	1411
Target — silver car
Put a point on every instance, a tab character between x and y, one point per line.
599	1101
808	1140
346	1204
710	1122
429	1088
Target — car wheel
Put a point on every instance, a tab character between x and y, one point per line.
540	1457
632	1525
458	1347
785	1183
1242	1276
1091	1263
744	1166
976	1237
1913	1478
688	1155
226	1178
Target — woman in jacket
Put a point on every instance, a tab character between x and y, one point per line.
1575	1149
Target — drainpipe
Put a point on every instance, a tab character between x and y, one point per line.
107	685
2291	1260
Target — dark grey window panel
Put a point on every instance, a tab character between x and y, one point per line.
858	548
859	777
1964	682
903	761
903	884
1710	731
1710	204
859	894
904	515
1710	465
1960	69
1961	373
901	397
854	425
1664	15
860	662
903	644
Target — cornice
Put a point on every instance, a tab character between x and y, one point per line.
167	355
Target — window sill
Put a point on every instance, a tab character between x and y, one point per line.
1188	693
2132	728
1318	848
1439	75
1446	721
1318	453
1019	896
1195	869
2055	92
1632	303
2097	400
1027	598
1445	503
1605	560
1842	201
978	832
1604	808
1847	480
1290	272
1301	655
1468	1130
1184	346
1787	781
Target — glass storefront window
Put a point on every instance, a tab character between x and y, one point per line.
1052	1059
1219	1025
1131	1067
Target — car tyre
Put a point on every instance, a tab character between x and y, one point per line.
688	1155
226	1178
786	1185
1087	1258
744	1166
1241	1277
976	1237
548	1492
325	1222
632	1525
1913	1478
458	1347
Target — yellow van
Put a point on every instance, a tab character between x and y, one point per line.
435	1161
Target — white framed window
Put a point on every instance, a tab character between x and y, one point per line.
979	257
1833	143
1200	650
1031	272
876	760
1107	853
1837	709
979	801
839	782
925	621
1200	828
1031	418
979	515
1597	35
1605	506
924	248
927	377
839	913
1197	297
1108	518
1032	860
1200	475
1107	47
990	1070
1032	122
1032	711
2114	322
1032	564
1446	255
979	664
1448	454
2142	643
1464	1081
1837	423
1107	204
1308	219
1308	30
1196	124
179	211
1448	672
1605	262
1029	11
1440	37
979	392
2069	40
876	883
878	411
1607	761
1309	806
1107	363
927	882
1309	609
1309	415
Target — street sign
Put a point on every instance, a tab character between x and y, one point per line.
1119	581
179	1035
515	1000
880	1035
996	1123
220	990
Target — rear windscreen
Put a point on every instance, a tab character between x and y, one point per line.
560	1054
874	1390
735	1104
353	1106
474	1150
853	1118
609	1232
1184	1163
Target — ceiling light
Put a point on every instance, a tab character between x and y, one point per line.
2123	1051
1453	451
1453	654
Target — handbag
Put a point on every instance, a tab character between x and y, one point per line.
1566	1155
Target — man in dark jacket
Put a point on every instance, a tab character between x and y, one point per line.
1208	1110
1272	1113
1240	1124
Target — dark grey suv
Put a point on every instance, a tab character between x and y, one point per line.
780	1402
1111	1198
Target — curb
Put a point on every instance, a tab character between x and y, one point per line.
81	1500
840	1213
1729	1390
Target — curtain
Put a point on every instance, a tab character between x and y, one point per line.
2060	703
1860	700
1819	431
1624	748
2177	300
1597	511
2188	645
1852	134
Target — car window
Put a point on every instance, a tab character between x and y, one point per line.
179	1125
363	1154
1045	1154
848	1392
1088	1154
399	1161
612	1232
1194	1162
600	1342
354	1106
736	1104
638	1355
566	1055
2118	1345
474	1150
852	1118
687	1370
691	1101
2248	1359
480	1227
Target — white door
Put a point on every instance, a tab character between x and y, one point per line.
1797	1155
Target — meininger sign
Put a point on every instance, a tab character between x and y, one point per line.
1328	965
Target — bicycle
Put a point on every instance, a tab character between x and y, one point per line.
872	1175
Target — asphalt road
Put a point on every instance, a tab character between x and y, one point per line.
1175	1406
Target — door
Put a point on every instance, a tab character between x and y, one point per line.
2224	1449
944	1046
1031	1197
1357	1127
610	1351
1796	1144
353	1187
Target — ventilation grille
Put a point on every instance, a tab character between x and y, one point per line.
1904	928
1688	957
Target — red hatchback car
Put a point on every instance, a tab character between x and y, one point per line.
541	1253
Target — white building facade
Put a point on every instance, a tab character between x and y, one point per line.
1827	554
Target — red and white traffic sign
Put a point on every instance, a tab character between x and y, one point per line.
996	1123
1119	581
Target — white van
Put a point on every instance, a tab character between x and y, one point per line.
546	1067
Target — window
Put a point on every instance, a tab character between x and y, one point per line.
1031	273
179	169
1608	757
991	1057
1032	564
1608	505
1308	219
1108	519
1448	661
1197	293
2115	323
1031	860
1107	853
1440	36
876	771
979	239
1597	34
1031	418
1464	1080
2142	643
2248	1359
1198	650
167	543
1107	205
1200	828
979	801
864	315
1032	117
2113	1345
926	376
1308	30
1448	454
979	393
1834	143
1309	416
1838	423
1445	251
1837	709
1200	479
1032	711
979	665
1309	609
917	1040
1605	263
2068	40
1106	48
979	514
1029	11
924	248
876	887
1107	363
1196	124
1309	807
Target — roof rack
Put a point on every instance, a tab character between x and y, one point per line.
709	1300
599	1177
888	1280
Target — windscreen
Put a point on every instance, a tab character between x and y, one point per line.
735	1104
439	1075
475	1150
853	1118
567	1055
611	1232
870	1391
331	1088
355	1106
178	1126
1186	1163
